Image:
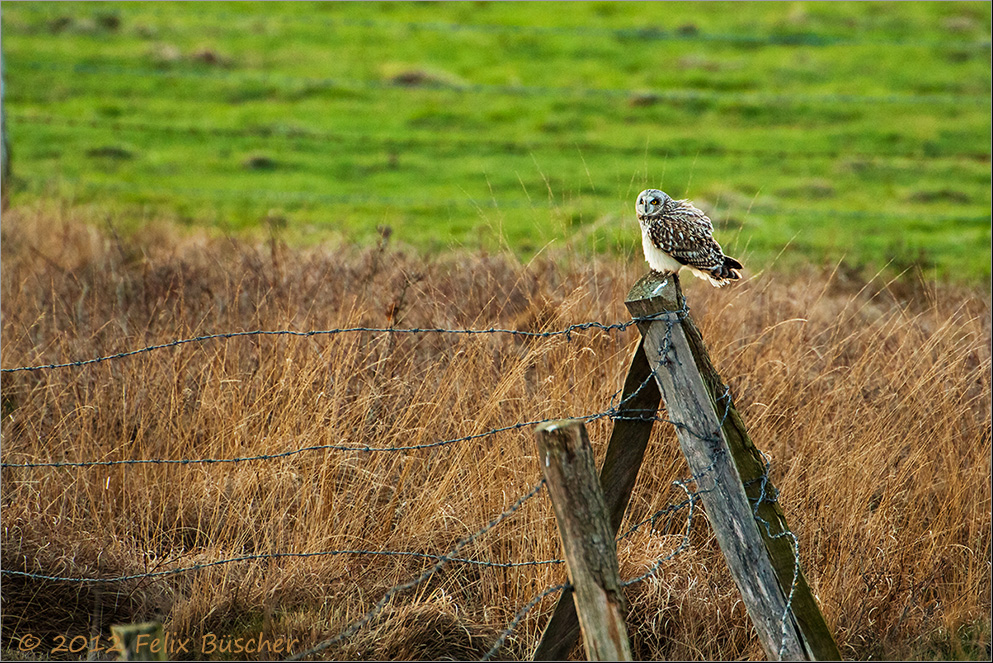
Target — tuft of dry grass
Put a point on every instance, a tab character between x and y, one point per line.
872	400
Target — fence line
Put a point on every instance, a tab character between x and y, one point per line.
318	447
769	494
376	609
567	332
512	625
611	412
449	140
275	556
643	33
678	95
669	511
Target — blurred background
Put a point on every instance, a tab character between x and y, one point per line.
810	132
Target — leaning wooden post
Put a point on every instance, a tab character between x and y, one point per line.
140	642
724	461
590	551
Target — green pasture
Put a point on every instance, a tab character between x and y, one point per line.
810	131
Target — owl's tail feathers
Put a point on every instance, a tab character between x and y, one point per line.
729	269
726	272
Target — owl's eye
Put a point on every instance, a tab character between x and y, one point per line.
655	201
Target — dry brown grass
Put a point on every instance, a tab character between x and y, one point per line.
873	403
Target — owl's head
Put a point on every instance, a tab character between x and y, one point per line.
651	202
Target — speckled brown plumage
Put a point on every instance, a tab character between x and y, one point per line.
676	234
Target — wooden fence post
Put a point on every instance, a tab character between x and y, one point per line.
638	404
723	459
590	550
140	642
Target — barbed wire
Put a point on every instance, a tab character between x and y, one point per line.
498	643
294	452
567	332
642	33
275	556
767	494
611	411
671	95
444	559
440	561
670	321
691	496
449	140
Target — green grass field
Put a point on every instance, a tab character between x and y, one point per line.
811	132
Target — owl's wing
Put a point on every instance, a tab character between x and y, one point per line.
692	214
687	236
704	254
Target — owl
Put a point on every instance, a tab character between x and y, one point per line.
675	234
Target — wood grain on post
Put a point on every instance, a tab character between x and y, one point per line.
625	452
721	455
591	554
751	465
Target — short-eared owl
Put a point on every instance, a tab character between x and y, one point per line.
675	234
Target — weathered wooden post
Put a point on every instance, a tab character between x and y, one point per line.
724	461
652	296
625	451
140	642
590	550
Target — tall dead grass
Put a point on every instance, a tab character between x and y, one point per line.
873	403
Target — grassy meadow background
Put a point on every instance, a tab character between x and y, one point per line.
833	131
182	169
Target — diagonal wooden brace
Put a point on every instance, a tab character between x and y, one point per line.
749	526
